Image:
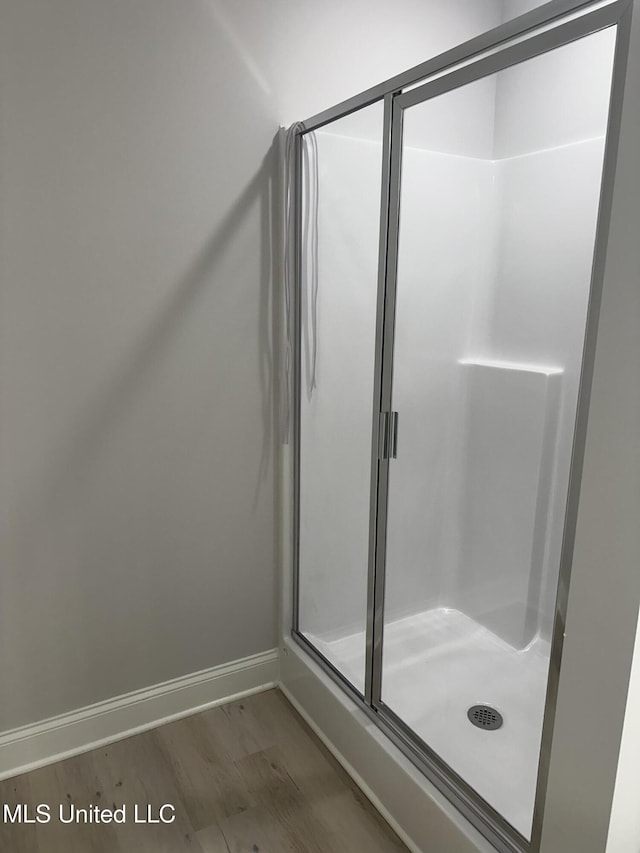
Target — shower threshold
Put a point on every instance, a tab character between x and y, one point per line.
436	665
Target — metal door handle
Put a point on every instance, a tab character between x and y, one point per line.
393	435
388	435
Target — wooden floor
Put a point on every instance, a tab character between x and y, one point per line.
248	777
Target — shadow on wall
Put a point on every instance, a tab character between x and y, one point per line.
83	444
57	503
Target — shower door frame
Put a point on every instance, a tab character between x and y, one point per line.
500	54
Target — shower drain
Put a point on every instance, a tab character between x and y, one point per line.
485	717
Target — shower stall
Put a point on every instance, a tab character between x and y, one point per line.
445	276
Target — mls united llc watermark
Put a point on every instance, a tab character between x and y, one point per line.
70	813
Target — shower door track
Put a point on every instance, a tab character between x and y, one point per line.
482	56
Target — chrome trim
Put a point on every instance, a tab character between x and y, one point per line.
536	45
296	374
386	377
377	426
383	436
514	28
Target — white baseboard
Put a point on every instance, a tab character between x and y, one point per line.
87	728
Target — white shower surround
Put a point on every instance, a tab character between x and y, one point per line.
338	415
583	756
515	281
418	593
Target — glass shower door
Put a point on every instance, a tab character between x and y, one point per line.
340	240
499	194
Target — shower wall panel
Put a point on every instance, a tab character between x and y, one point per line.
446	264
551	113
540	218
539	306
510	428
555	99
492	274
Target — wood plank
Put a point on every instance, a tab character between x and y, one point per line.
21	837
135	772
245	718
257	830
250	777
68	784
267	778
337	801
212	839
353	824
235	731
209	783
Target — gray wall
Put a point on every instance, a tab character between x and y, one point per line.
136	363
136	526
624	825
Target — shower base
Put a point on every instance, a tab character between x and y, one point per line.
439	663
